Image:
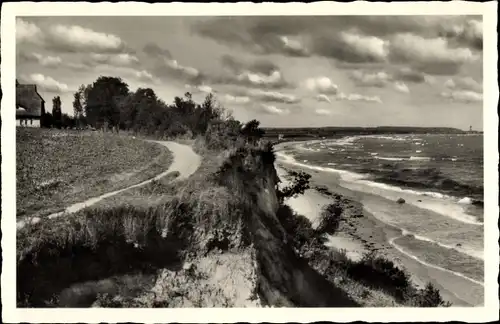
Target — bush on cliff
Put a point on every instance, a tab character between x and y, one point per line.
298	185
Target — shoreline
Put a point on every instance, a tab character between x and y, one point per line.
364	234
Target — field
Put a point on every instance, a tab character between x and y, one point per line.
56	168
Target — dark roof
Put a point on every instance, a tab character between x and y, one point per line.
28	98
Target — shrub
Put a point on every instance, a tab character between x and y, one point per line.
430	297
298	186
298	227
381	273
331	216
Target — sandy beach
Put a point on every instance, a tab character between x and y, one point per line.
368	233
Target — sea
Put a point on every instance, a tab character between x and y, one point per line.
440	177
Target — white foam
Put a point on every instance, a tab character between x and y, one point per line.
418	151
437	202
465	201
397	247
389	158
373	154
419	158
345	175
468	251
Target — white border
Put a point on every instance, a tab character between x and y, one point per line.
279	315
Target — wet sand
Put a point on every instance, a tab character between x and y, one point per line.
368	233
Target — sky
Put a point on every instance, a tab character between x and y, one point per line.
285	71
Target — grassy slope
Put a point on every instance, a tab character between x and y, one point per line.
56	168
223	223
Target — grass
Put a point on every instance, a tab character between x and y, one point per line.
197	216
56	168
112	254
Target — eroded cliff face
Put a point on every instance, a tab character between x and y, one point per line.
283	278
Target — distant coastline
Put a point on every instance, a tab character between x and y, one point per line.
312	133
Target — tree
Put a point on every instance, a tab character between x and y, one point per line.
78	107
46	120
56	112
252	131
103	100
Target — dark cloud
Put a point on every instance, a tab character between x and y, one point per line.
239	66
409	75
43	60
355	40
156	51
166	67
258	74
467	33
429	55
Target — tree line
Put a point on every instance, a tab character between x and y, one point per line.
109	104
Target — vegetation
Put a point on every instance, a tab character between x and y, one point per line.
57	168
231	203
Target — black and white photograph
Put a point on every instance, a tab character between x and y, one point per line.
181	159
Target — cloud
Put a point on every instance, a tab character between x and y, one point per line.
407	74
430	44
235	99
46	83
468	33
28	32
371	79
144	75
358	97
293	47
401	87
466	83
182	69
272	110
68	38
73	38
323	112
47	61
350	47
463	96
200	88
429	55
168	67
122	59
260	73
321	84
273	96
156	51
323	98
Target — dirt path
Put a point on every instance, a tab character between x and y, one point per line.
185	161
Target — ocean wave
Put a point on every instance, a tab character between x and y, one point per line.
400	249
389	158
345	141
419	158
468	251
398	138
389	180
346	175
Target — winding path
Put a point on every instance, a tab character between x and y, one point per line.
185	161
